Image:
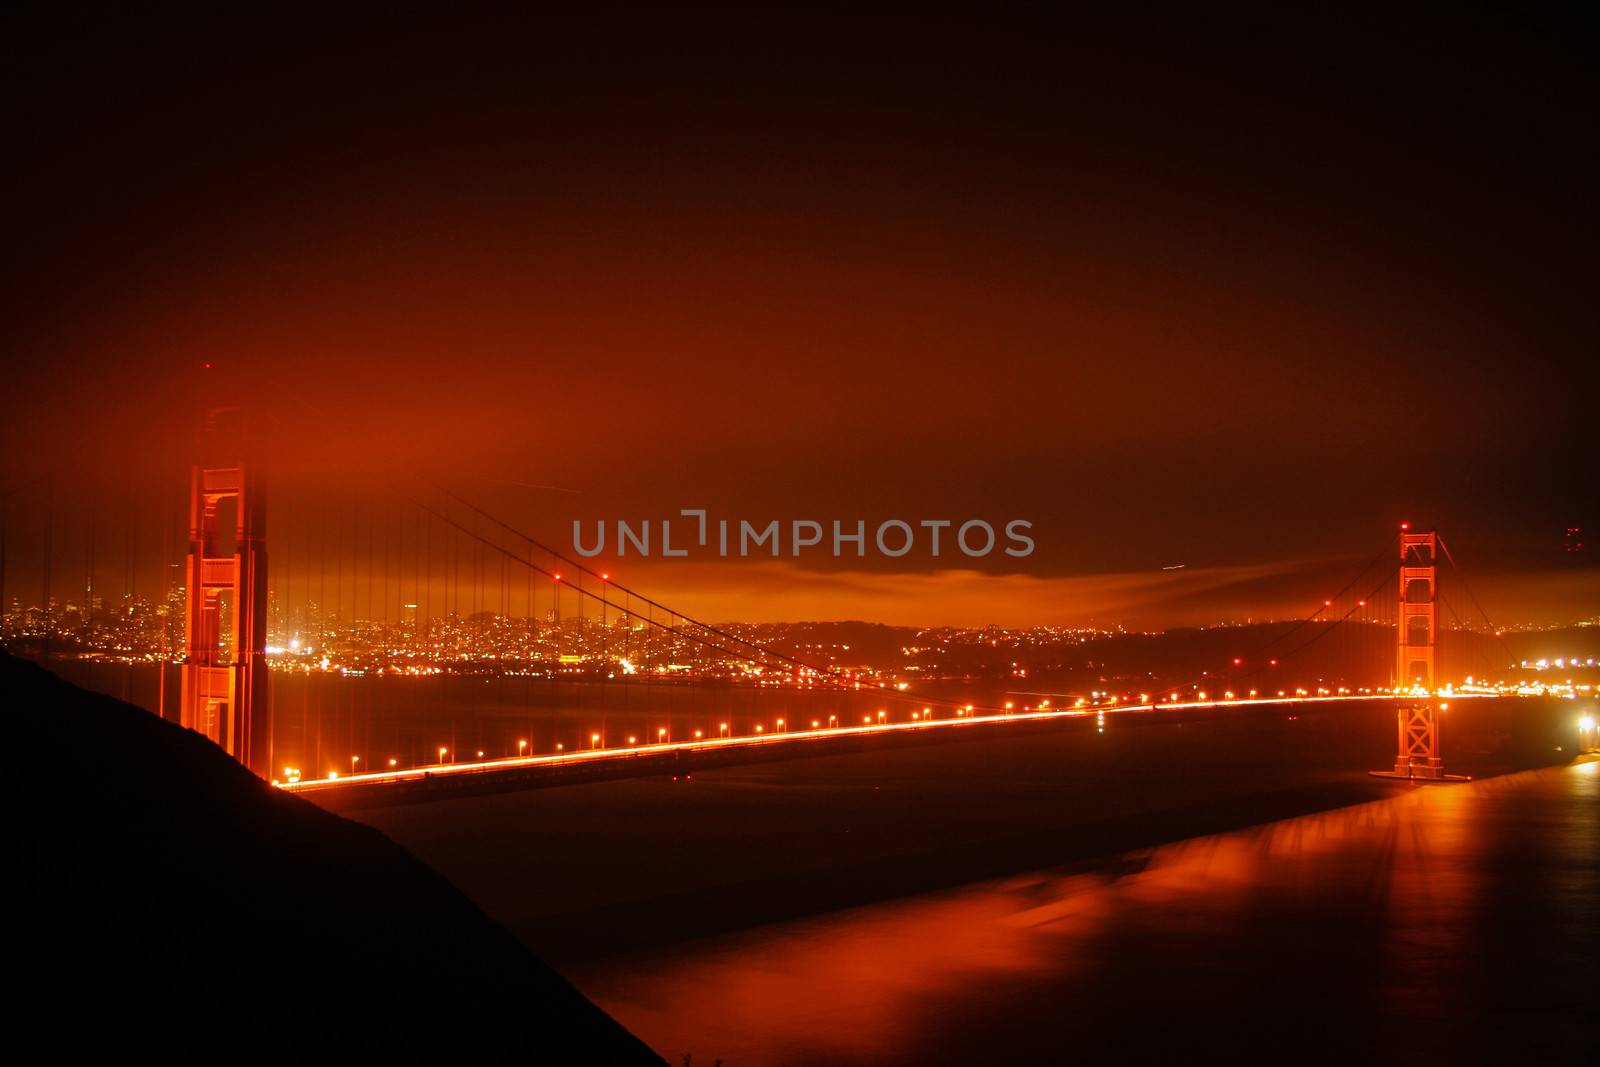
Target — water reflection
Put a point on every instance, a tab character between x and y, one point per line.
1447	920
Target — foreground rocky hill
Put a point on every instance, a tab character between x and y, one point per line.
174	902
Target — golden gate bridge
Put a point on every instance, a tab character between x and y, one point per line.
443	577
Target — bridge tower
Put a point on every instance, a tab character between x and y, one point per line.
1416	659
225	624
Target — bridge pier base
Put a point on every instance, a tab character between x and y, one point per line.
1418	759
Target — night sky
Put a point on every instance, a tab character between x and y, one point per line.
1240	294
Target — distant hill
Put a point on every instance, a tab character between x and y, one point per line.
1353	654
174	902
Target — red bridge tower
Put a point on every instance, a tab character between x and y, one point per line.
225	669
1417	643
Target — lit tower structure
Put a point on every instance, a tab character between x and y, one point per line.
225	614
1416	660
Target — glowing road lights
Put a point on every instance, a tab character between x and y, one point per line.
522	747
1586	723
393	762
661	735
292	778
